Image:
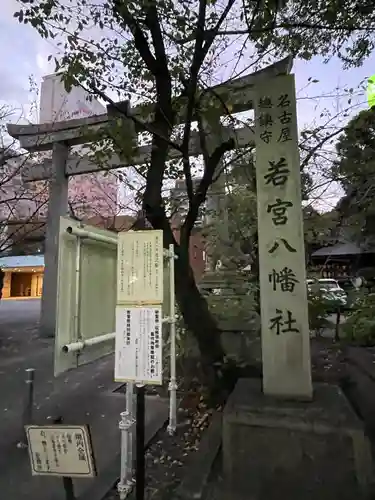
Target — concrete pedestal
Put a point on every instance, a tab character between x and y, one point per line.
275	449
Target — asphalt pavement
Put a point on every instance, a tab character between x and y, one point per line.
82	396
20	348
19	324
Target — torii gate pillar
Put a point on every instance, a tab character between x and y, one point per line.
57	207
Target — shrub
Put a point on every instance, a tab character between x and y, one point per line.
360	323
318	313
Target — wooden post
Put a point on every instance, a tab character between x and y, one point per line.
283	289
57	207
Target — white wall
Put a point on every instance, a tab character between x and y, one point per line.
57	105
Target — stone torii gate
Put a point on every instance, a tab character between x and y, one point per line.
278	440
270	92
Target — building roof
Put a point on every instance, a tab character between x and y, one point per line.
341	249
12	261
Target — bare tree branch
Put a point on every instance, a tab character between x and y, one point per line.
272	26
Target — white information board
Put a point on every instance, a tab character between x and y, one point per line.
60	450
138	347
283	290
140	268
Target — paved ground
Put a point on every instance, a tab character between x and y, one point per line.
19	311
19	321
20	348
80	396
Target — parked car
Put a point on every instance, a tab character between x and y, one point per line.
330	292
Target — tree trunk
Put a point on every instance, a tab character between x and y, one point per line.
193	307
198	319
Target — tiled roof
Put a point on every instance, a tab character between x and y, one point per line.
341	249
13	261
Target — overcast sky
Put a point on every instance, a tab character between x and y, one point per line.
24	54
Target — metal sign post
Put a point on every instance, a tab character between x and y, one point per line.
129	435
67	481
27	416
172	321
140	472
126	425
138	346
138	350
130	411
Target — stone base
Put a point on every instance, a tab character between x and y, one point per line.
275	449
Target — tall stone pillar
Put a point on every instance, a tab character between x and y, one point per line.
279	439
57	207
283	292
